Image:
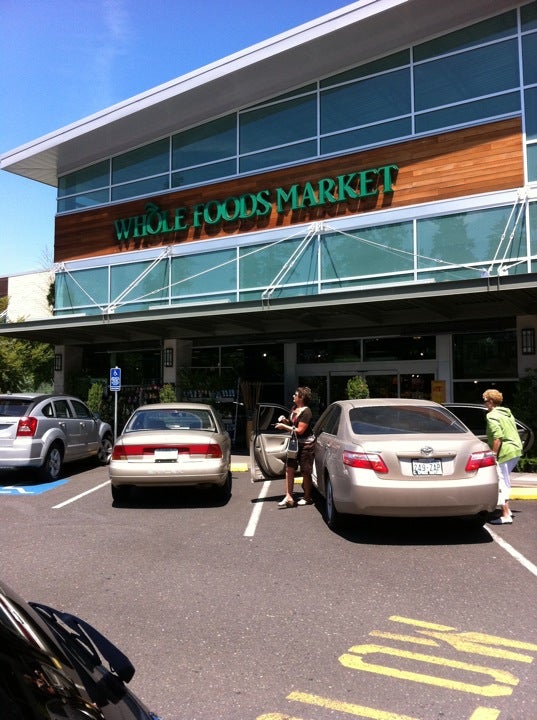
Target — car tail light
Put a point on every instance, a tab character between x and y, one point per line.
479	460
124	452
365	461
27	427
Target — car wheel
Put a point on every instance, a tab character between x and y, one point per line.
105	450
120	492
333	518
223	492
51	468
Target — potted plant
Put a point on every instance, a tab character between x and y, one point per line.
357	388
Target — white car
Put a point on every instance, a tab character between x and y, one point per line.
172	444
43	431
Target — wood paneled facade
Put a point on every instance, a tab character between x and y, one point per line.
474	160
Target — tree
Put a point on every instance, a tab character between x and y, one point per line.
25	365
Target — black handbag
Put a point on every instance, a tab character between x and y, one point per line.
292	447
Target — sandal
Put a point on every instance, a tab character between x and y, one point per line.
305	501
285	503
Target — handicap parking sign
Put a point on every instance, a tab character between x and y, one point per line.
115	379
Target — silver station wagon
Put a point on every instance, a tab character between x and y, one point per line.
44	431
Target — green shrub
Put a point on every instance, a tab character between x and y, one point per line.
357	388
167	394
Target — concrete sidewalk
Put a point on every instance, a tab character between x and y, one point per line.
523	485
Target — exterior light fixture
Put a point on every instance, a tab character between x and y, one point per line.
58	362
168	357
527	341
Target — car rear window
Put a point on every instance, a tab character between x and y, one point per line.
14	407
171	420
390	420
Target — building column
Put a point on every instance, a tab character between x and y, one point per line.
67	363
526	334
177	354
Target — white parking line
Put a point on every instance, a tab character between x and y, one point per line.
256	512
77	497
511	550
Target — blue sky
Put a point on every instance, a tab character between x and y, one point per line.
61	60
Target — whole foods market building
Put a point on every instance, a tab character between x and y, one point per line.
355	196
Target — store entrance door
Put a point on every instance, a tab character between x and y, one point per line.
384	384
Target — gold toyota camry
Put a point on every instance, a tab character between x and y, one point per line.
172	444
388	457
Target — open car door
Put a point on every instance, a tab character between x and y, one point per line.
268	446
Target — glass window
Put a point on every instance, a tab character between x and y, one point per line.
330	351
85	201
260	266
532	163
278	124
329	423
390	62
530	99
366	101
204	173
485	355
148	160
529	58
214	140
203	273
368	251
469	238
81	411
85	180
279	156
399	348
62	409
486	31
528	14
370	135
467	75
149	290
141	187
81	288
468	112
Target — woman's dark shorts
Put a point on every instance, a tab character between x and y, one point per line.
306	453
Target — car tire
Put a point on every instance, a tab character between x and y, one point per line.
51	469
104	452
120	493
223	492
332	516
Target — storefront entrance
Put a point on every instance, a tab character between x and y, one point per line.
381	383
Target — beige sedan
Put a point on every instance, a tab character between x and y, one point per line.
401	458
172	444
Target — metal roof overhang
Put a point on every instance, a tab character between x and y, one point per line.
344	38
477	305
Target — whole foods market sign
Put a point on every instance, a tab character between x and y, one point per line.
327	191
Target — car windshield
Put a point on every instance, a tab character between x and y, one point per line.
13	407
402	419
171	420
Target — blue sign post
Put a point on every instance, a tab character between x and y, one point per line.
115	386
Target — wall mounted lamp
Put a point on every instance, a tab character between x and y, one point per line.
527	341
58	362
168	357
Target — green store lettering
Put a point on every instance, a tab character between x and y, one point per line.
249	206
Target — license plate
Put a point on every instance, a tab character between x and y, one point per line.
165	455
426	467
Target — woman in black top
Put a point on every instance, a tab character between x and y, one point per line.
301	420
